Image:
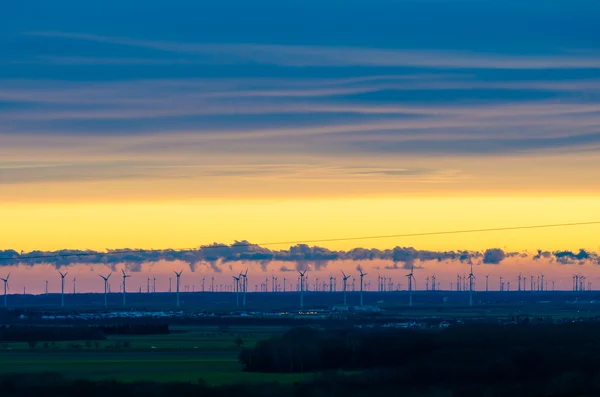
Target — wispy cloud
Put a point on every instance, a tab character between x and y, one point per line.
302	56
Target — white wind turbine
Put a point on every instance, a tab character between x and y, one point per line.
345	278
5	288
237	289
105	278
244	286
471	279
177	284
411	280
125	276
361	283
62	288
302	288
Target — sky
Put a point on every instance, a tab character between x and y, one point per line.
177	124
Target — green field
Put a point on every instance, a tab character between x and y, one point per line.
188	354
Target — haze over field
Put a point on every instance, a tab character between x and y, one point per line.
176	124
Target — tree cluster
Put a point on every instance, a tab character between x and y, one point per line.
135	329
25	333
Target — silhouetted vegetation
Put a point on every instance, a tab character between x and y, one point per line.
33	334
135	329
508	349
368	384
468	360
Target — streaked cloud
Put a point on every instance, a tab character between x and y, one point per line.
375	98
303	56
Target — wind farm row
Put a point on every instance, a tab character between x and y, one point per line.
302	285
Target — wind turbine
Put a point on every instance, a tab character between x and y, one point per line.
62	288
361	283
5	288
531	282
177	284
345	279
302	288
245	286
237	289
519	280
106	288
486	282
471	279
411	278
125	286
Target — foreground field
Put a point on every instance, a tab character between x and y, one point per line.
189	354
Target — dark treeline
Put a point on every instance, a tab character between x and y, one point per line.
401	383
481	354
135	329
16	333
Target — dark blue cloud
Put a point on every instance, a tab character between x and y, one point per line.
306	77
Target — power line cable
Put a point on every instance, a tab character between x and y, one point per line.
328	240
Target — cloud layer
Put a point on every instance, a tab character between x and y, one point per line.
217	257
397	93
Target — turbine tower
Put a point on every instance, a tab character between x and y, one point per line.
106	288
245	286
345	279
237	289
487	276
302	288
177	284
471	279
62	288
125	276
411	279
361	283
5	288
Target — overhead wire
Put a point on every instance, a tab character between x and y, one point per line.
296	242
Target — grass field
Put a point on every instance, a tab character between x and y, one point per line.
188	354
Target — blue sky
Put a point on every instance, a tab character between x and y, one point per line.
177	123
138	89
